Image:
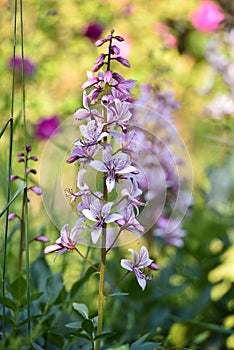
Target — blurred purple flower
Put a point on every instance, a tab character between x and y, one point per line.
93	31
29	67
46	127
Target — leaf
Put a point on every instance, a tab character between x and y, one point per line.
88	326
103	335
74	325
54	285
149	346
36	296
117	294
136	344
82	309
9	303
15	195
76	286
36	346
56	339
18	288
210	326
4	128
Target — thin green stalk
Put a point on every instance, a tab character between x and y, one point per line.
103	240
101	287
4	263
25	198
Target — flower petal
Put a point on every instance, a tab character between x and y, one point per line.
52	248
96	234
98	165
126	264
89	215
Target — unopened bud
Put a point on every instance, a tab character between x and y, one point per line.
153	266
100	42
28	148
12	216
36	190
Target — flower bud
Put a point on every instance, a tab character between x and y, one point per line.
14	177
20	160
41	239
153	266
123	61
97	66
12	216
119	38
28	148
115	50
36	190
108	77
100	42
33	158
71	159
21	154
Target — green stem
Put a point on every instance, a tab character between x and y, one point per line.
86	260
4	262
101	287
25	198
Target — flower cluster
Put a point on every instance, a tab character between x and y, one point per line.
25	158
106	145
159	156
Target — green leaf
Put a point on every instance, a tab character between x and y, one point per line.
88	326
56	339
117	294
36	346
15	195
82	309
36	296
9	303
210	326
74	325
103	335
4	128
54	285
76	286
149	346
18	288
140	345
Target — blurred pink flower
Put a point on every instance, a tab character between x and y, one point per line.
162	30
46	127
207	17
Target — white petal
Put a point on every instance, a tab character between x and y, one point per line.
126	264
127	170
80	183
98	165
113	217
89	215
141	282
96	234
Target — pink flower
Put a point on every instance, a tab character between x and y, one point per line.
162	30
46	127
207	17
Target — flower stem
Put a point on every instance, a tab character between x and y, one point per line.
101	287
86	260
4	262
